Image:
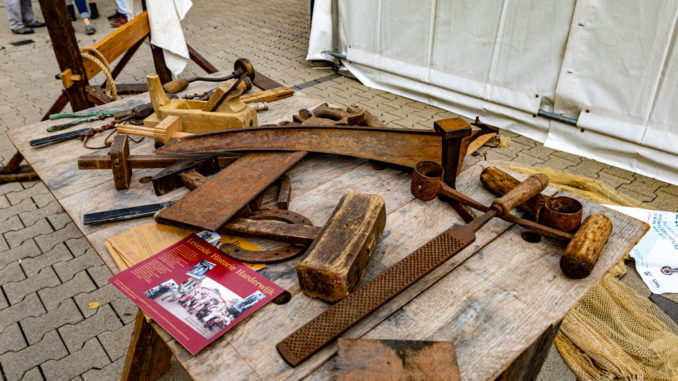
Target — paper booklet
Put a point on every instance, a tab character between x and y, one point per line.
195	292
656	254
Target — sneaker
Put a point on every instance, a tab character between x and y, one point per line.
119	22
115	16
36	24
89	29
23	30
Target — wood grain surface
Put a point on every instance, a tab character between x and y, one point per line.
492	300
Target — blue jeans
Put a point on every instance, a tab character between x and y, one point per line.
82	8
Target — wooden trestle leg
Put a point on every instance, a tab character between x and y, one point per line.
148	357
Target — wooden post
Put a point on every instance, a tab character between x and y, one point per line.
148	357
66	50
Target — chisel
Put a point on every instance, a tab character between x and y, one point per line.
58	137
124	213
336	320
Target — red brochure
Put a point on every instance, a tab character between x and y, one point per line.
195	292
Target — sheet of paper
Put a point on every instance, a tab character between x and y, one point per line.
656	254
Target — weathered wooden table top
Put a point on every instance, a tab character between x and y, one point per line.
492	300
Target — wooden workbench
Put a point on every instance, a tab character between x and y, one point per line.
506	300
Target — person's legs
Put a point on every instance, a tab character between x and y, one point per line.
120	16
27	12
93	10
70	9
122	7
82	9
13	8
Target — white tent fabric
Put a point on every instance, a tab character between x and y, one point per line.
611	64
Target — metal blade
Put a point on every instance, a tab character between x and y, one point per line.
398	146
58	137
124	213
337	319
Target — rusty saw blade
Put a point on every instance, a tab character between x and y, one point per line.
398	146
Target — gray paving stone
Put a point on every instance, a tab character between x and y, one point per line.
587	167
74	335
644	184
25	250
525	159
11	273
36	189
52	297
31	217
10	187
33	375
100	274
109	372
3	302
11	339
612	181
624	174
116	342
66	270
78	246
47	241
16	238
4	203
15	364
59	220
92	355
644	197
125	309
22	207
35	327
103	295
58	254
494	155
556	163
664	201
16	291
670	189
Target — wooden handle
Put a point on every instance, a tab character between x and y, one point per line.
500	183
176	85
192	179
582	253
522	192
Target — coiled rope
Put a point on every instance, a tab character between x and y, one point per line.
98	59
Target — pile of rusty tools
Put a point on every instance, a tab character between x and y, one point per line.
216	148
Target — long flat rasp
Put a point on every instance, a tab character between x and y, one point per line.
398	146
356	306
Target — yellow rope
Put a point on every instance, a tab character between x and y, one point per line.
98	59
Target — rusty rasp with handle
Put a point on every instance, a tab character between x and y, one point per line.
336	320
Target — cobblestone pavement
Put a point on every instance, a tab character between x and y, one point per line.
49	274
